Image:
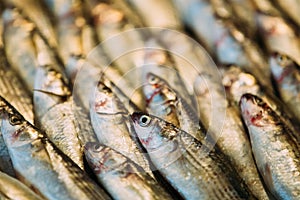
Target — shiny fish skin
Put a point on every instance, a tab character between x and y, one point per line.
178	157
231	139
286	73
12	88
222	39
122	177
41	164
275	149
278	35
55	114
111	18
113	127
15	190
165	15
19	46
166	103
159	62
238	82
38	13
291	8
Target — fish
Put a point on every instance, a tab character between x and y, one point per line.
244	11
286	73
221	38
278	35
275	149
12	88
11	188
223	120
238	82
113	127
165	15
39	14
53	105
121	176
159	62
70	23
19	47
193	169
291	8
165	102
114	22
40	164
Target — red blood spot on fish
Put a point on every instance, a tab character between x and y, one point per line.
100	104
146	141
149	100
271	31
285	73
256	119
16	134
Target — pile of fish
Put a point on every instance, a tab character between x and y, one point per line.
149	99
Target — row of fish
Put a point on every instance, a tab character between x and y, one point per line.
147	114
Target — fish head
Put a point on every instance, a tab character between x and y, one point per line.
152	131
104	100
281	66
158	93
50	88
15	129
101	158
256	113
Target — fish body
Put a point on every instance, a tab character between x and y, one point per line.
278	35
40	164
122	177
111	19
193	170
228	131
286	73
165	102
222	39
275	149
113	127
238	82
13	189
165	15
291	8
37	12
19	47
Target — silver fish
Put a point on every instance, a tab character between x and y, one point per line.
286	73
37	12
186	163
164	102
275	149
121	176
228	131
111	18
41	164
291	8
165	15
19	46
222	39
278	35
238	82
13	189
113	127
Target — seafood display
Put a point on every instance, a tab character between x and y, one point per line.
149	99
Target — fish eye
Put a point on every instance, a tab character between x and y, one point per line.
145	120
153	80
282	60
15	120
97	147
